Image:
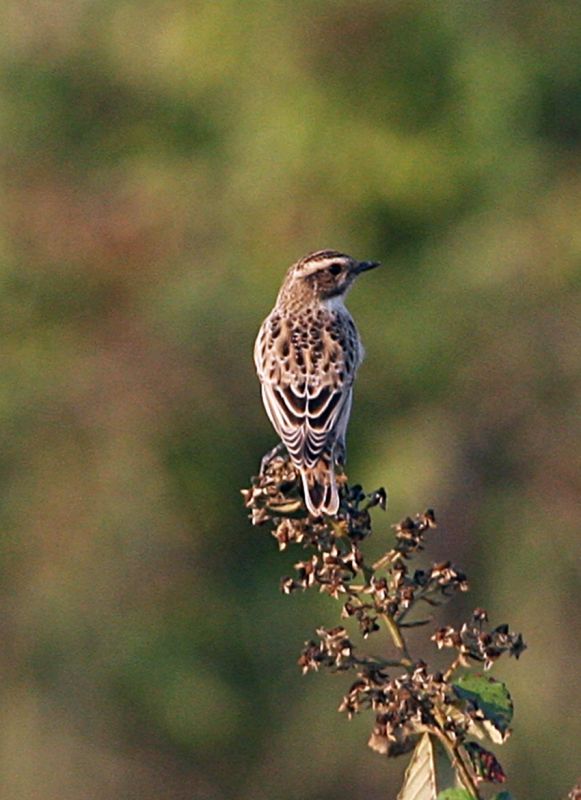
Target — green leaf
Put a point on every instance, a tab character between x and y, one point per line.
454	794
490	697
428	771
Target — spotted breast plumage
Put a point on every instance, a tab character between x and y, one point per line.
307	353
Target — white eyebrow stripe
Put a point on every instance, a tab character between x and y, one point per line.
317	265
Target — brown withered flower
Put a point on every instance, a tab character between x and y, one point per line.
473	642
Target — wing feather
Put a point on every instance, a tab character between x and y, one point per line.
308	406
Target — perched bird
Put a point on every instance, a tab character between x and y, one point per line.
307	353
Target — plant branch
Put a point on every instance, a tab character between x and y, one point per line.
397	638
407	704
458	763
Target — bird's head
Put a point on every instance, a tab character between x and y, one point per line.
324	274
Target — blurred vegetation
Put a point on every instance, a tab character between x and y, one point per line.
163	163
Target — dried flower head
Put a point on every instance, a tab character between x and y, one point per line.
406	698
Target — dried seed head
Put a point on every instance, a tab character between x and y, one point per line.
408	704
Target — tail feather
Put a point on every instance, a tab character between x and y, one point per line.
320	488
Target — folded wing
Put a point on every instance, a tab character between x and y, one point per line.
307	392
306	422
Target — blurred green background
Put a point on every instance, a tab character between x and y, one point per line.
163	163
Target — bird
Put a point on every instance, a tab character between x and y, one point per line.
307	354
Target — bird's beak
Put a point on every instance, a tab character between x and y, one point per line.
363	266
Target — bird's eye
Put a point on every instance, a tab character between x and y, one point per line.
335	269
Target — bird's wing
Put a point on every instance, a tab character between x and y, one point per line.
306	434
307	391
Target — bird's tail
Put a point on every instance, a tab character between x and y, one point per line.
320	487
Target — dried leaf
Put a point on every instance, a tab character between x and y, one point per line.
428	771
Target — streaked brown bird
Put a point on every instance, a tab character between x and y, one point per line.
307	353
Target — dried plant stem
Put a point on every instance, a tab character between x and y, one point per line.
397	638
381	662
458	662
387	560
458	763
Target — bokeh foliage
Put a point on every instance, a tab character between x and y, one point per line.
163	162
